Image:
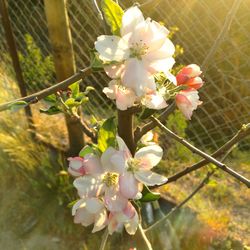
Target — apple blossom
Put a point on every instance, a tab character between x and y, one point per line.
76	167
137	169
189	76
187	101
89	211
142	50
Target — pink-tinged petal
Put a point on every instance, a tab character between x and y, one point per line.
115	70
94	205
154	101
100	220
130	19
163	65
136	77
111	90
112	48
89	186
129	211
83	217
123	147
195	83
113	200
125	98
149	156
132	225
92	164
150	178
128	185
187	101
188	72
79	204
76	166
113	224
147	138
119	161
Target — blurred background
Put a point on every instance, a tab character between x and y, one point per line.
34	189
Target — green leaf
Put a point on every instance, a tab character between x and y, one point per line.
53	110
17	105
113	15
72	203
86	150
148	195
51	99
71	102
88	89
95	61
74	89
107	134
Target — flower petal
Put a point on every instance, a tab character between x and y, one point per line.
128	185
130	19
136	77
114	70
92	164
150	156
112	48
79	204
106	159
154	101
83	217
94	205
149	178
132	225
100	220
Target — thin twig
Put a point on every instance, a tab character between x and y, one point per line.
195	191
240	135
203	154
140	131
104	239
146	240
34	98
222	34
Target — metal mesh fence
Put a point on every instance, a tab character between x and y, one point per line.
226	93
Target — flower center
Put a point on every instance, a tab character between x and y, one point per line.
138	50
133	165
110	179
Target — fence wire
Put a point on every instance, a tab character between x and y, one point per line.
226	93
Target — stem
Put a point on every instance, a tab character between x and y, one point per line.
125	129
147	242
203	154
104	239
34	98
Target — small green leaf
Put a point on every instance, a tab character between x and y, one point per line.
17	105
86	150
50	99
95	61
113	15
74	89
72	203
148	195
107	134
53	110
88	89
71	102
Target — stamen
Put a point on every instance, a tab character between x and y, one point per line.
110	179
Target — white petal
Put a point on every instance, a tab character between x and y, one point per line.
88	186
113	200
163	65
130	19
94	205
149	178
154	101
79	204
122	145
132	225
92	164
136	77
150	154
118	161
83	217
100	220
114	71
128	185
111	48
106	159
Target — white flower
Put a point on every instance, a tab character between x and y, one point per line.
89	211
137	169
142	50
187	101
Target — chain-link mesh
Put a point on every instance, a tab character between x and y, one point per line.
225	95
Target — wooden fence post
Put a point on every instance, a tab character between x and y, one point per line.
61	40
15	60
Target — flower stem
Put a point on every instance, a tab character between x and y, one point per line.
146	240
104	239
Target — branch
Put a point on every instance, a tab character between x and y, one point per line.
147	242
33	98
86	129
104	239
241	134
140	131
203	154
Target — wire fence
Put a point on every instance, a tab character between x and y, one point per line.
226	93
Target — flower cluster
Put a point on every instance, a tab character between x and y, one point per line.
134	58
108	183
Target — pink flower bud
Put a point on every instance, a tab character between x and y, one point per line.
76	167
